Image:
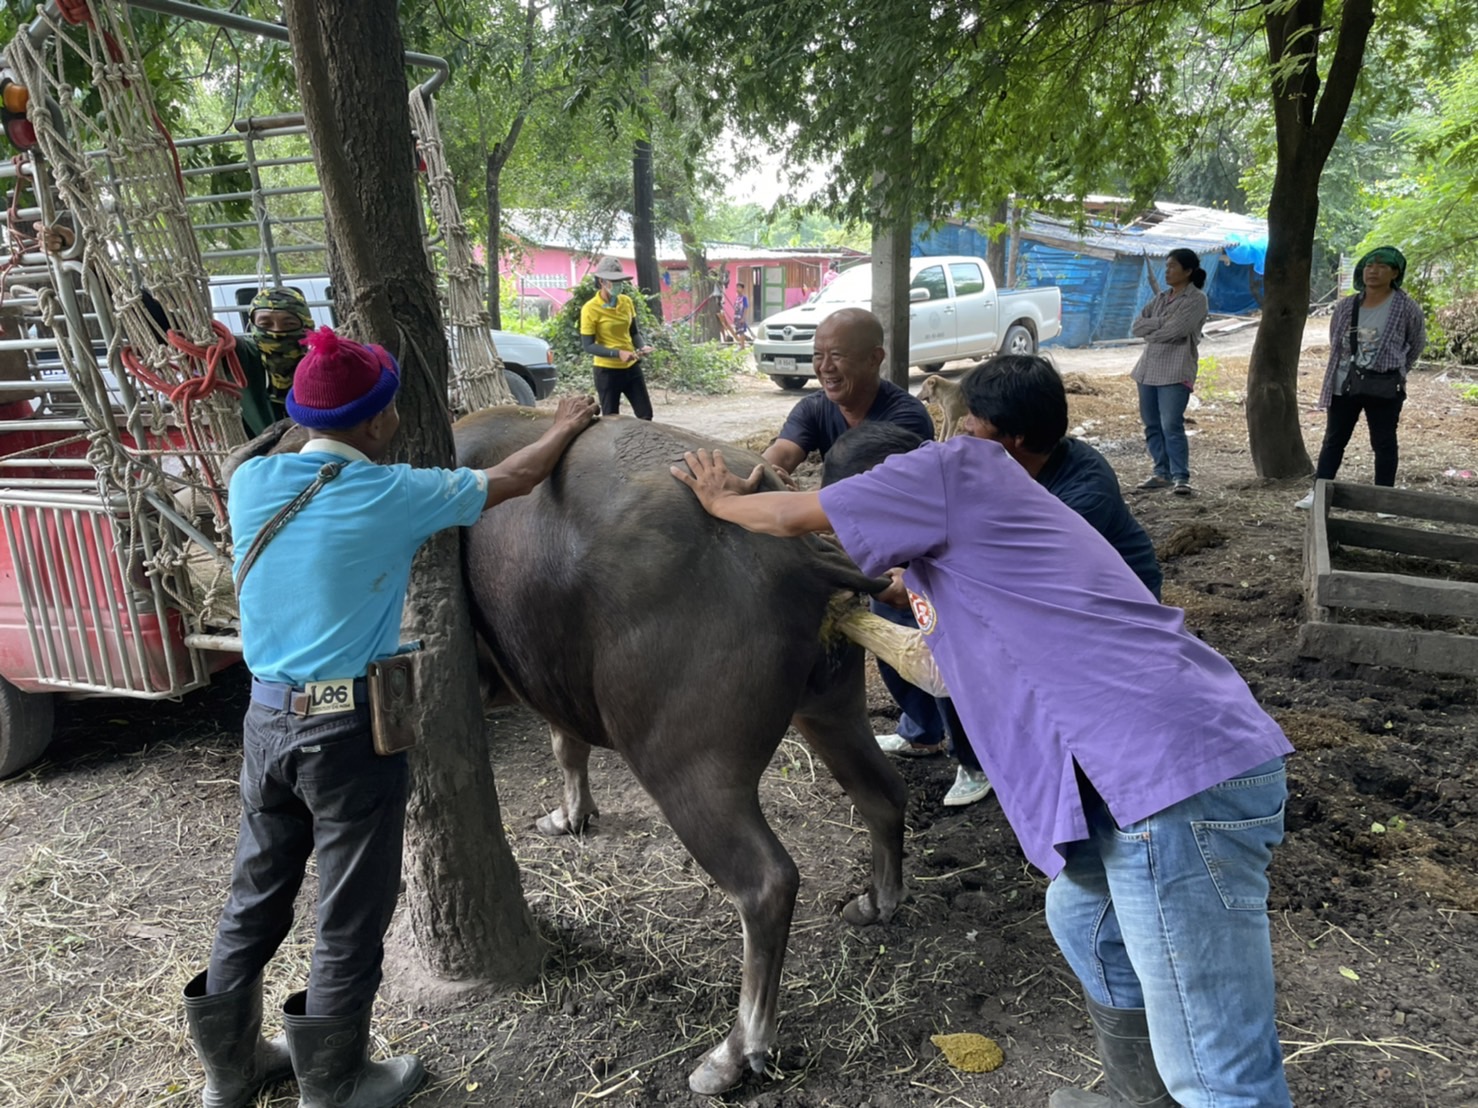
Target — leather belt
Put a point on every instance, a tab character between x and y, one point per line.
294	698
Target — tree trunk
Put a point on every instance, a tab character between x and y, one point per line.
1274	437
892	232
995	250
644	227
706	305
1306	124
890	294
464	900
495	239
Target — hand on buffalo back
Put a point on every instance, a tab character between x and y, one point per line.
575	414
711	480
895	594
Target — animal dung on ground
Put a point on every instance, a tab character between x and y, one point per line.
968	1052
1189	538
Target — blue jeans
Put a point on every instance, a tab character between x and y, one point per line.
920	720
1169	914
1162	410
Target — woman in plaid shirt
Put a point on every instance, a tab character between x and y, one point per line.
1171	327
1390	338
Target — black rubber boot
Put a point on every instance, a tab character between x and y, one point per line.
226	1030
1129	1067
331	1058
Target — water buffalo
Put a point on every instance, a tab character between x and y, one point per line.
622	613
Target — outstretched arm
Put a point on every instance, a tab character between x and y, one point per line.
522	470
770	513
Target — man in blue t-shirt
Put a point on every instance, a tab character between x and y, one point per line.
848	357
325	601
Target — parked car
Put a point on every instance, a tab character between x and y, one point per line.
527	360
956	312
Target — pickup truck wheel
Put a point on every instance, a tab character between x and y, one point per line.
789	381
523	394
25	727
1018	341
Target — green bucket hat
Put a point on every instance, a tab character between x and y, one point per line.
1388	254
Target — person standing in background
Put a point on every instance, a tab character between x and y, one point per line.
1375	338
609	334
1166	372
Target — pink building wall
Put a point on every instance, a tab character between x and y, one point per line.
551	273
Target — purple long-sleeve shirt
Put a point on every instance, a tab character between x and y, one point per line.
1054	650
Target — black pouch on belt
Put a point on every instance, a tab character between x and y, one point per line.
392	697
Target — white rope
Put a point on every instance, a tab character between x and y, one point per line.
477	370
128	209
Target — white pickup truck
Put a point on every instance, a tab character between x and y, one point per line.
955	312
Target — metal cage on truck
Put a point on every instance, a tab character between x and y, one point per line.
117	395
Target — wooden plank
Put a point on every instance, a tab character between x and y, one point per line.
1316	552
1403	540
1428	651
1405	502
1398	592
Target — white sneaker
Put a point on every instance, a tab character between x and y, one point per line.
970	785
1307	502
897	744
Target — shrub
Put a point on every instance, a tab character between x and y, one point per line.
676	362
1459	324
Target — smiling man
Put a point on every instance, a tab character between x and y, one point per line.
848	357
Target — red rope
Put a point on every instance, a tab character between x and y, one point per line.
75	11
216	356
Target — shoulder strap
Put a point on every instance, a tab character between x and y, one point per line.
326	473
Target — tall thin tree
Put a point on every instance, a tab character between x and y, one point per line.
466	906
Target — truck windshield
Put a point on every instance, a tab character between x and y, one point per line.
852	286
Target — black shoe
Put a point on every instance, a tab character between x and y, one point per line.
1183	487
1129	1067
226	1031
330	1055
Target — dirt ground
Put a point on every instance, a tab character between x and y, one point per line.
115	849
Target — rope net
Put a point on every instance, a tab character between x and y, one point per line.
477	370
180	377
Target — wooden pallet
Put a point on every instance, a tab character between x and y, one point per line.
1327	590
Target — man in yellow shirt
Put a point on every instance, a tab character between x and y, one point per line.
609	335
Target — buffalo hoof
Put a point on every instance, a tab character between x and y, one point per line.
556	823
864	910
716	1074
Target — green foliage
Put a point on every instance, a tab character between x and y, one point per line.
1212	383
786	226
1432	210
676	362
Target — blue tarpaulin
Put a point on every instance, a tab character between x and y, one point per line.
1103	271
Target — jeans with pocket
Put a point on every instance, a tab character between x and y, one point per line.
1162	411
311	785
1170	914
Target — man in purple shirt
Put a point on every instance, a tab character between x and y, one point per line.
1132	761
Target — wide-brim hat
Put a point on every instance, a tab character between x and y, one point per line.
609	269
339	383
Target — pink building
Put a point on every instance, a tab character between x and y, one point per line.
552	254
